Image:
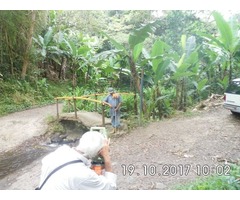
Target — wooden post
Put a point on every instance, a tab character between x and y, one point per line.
75	107
135	104
57	110
103	115
69	106
95	103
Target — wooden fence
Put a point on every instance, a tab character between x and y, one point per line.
88	98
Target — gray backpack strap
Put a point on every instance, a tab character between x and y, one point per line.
61	166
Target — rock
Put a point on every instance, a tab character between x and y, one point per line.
158	186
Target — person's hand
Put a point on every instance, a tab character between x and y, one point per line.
104	103
105	154
106	149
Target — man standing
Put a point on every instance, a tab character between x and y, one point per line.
114	101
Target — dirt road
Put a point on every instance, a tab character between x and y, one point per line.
20	126
159	156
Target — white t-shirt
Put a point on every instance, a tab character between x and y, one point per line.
77	176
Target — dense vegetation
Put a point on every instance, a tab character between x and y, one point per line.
171	59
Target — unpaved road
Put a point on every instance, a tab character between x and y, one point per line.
20	126
160	155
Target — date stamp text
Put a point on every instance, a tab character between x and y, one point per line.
175	170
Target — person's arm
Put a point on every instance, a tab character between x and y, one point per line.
105	102
120	103
109	177
118	106
107	160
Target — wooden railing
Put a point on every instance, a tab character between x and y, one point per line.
86	97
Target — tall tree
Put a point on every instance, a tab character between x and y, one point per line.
17	29
32	15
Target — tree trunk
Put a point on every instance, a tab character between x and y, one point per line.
178	95
87	75
136	80
135	103
230	68
184	94
134	73
28	45
74	79
159	103
153	100
63	69
9	47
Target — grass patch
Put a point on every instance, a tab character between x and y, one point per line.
54	126
231	182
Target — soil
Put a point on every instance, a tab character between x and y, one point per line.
160	155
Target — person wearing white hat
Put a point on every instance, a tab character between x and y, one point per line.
78	175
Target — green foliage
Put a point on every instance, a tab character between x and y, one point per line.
127	107
54	126
121	23
15	25
225	31
175	23
223	83
225	45
19	95
158	104
139	35
80	104
231	182
180	66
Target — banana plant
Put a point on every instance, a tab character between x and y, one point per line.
134	49
44	42
186	67
159	63
49	46
227	42
77	57
200	87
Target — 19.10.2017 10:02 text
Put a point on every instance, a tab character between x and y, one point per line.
176	170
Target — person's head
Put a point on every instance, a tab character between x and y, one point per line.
91	143
111	90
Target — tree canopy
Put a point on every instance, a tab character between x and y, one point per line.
172	59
